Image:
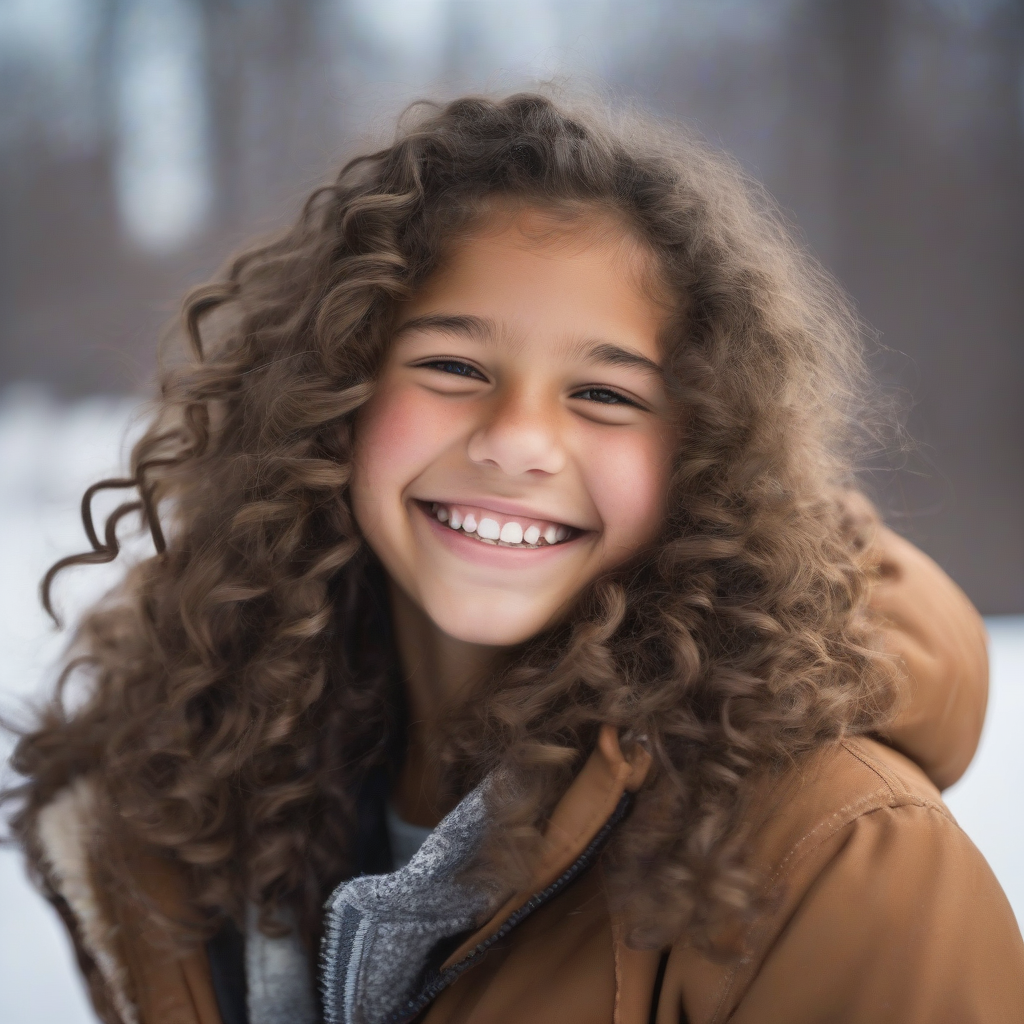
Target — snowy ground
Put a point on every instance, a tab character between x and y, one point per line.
49	453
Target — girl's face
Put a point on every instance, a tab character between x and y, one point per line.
518	444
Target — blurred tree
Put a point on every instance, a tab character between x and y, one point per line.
929	211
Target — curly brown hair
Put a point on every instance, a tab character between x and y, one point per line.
237	692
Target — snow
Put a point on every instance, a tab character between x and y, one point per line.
49	453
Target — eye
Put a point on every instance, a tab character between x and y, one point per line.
605	396
455	367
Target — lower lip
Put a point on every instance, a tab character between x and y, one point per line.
479	553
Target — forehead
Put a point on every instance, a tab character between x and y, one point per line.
549	274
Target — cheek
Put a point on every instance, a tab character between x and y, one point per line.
399	433
628	479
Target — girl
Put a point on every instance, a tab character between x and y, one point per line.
512	487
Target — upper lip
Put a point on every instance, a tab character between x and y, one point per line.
506	508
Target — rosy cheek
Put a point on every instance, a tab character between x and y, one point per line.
627	477
400	433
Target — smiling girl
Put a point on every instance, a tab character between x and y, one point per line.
517	647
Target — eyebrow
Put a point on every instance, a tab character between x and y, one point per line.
482	329
452	323
613	355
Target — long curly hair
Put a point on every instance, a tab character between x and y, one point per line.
237	691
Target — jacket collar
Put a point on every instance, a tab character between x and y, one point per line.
381	930
587	806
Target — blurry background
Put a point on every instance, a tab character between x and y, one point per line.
142	140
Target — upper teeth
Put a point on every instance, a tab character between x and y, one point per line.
487	529
511	533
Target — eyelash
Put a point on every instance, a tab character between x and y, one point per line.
454	367
457	368
616	398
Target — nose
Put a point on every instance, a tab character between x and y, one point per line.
519	436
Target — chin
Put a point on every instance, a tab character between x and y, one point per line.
489	622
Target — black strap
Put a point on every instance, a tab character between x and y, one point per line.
226	953
659	980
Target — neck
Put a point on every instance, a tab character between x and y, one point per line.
439	672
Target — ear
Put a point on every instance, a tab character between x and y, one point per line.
634	768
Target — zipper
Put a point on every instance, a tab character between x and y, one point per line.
414	1007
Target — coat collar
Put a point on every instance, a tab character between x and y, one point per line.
380	930
587	806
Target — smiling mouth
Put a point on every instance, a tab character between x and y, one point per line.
502	531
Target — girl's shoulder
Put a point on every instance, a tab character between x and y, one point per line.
133	973
803	813
873	900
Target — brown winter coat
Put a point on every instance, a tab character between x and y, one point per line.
880	909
